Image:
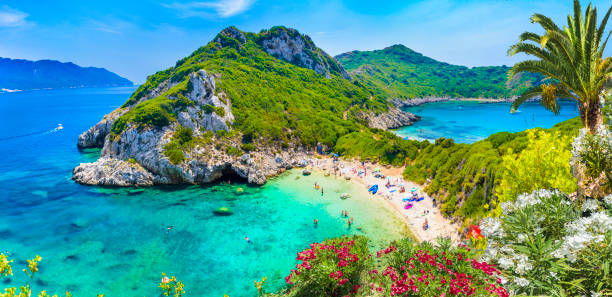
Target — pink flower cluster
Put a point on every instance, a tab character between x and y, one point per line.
385	251
426	272
342	254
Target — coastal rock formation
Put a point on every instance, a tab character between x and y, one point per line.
181	126
112	172
394	118
145	147
94	136
287	44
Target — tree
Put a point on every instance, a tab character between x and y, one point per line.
571	61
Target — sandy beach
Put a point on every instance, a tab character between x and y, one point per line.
391	197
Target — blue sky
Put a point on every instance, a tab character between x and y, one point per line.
137	38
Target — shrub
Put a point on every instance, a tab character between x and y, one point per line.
181	139
544	164
220	111
411	269
548	245
232	151
593	152
247	147
331	268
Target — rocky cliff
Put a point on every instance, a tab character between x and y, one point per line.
201	120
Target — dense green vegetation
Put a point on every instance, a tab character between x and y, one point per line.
271	99
379	146
464	177
399	72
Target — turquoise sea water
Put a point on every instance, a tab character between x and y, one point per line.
469	122
114	241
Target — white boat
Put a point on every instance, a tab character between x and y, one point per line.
59	127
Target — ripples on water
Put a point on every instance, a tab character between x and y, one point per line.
468	122
114	241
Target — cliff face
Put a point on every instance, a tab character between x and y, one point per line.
201	120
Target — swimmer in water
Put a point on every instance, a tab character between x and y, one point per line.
321	191
316	222
169	228
247	239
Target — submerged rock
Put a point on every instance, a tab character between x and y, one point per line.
223	211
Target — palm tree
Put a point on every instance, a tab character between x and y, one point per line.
570	60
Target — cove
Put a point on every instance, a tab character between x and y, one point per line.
469	121
114	240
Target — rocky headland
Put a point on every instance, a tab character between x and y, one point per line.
178	130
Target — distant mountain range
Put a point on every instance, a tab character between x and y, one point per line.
27	75
399	72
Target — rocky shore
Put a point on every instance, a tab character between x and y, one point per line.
401	103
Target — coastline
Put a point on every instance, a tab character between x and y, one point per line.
412	218
420	101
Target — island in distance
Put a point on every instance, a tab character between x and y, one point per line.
18	74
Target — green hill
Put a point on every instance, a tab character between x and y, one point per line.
285	92
399	72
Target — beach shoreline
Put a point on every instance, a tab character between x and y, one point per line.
414	218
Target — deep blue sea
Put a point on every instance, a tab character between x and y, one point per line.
114	241
468	122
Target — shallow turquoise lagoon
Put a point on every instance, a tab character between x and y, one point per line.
114	241
468	122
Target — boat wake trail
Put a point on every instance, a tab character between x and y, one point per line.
56	129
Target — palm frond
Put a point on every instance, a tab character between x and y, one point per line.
530	93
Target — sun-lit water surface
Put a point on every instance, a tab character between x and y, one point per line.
468	122
114	241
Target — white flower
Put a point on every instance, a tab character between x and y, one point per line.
590	205
553	274
521	238
608	200
505	263
521	282
522	264
491	228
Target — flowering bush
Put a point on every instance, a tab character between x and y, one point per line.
426	270
331	268
544	163
593	154
547	244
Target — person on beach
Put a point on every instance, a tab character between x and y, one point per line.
425	225
321	191
349	223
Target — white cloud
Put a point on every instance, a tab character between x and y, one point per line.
11	17
221	8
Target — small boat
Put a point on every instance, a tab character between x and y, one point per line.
59	127
306	172
344	196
